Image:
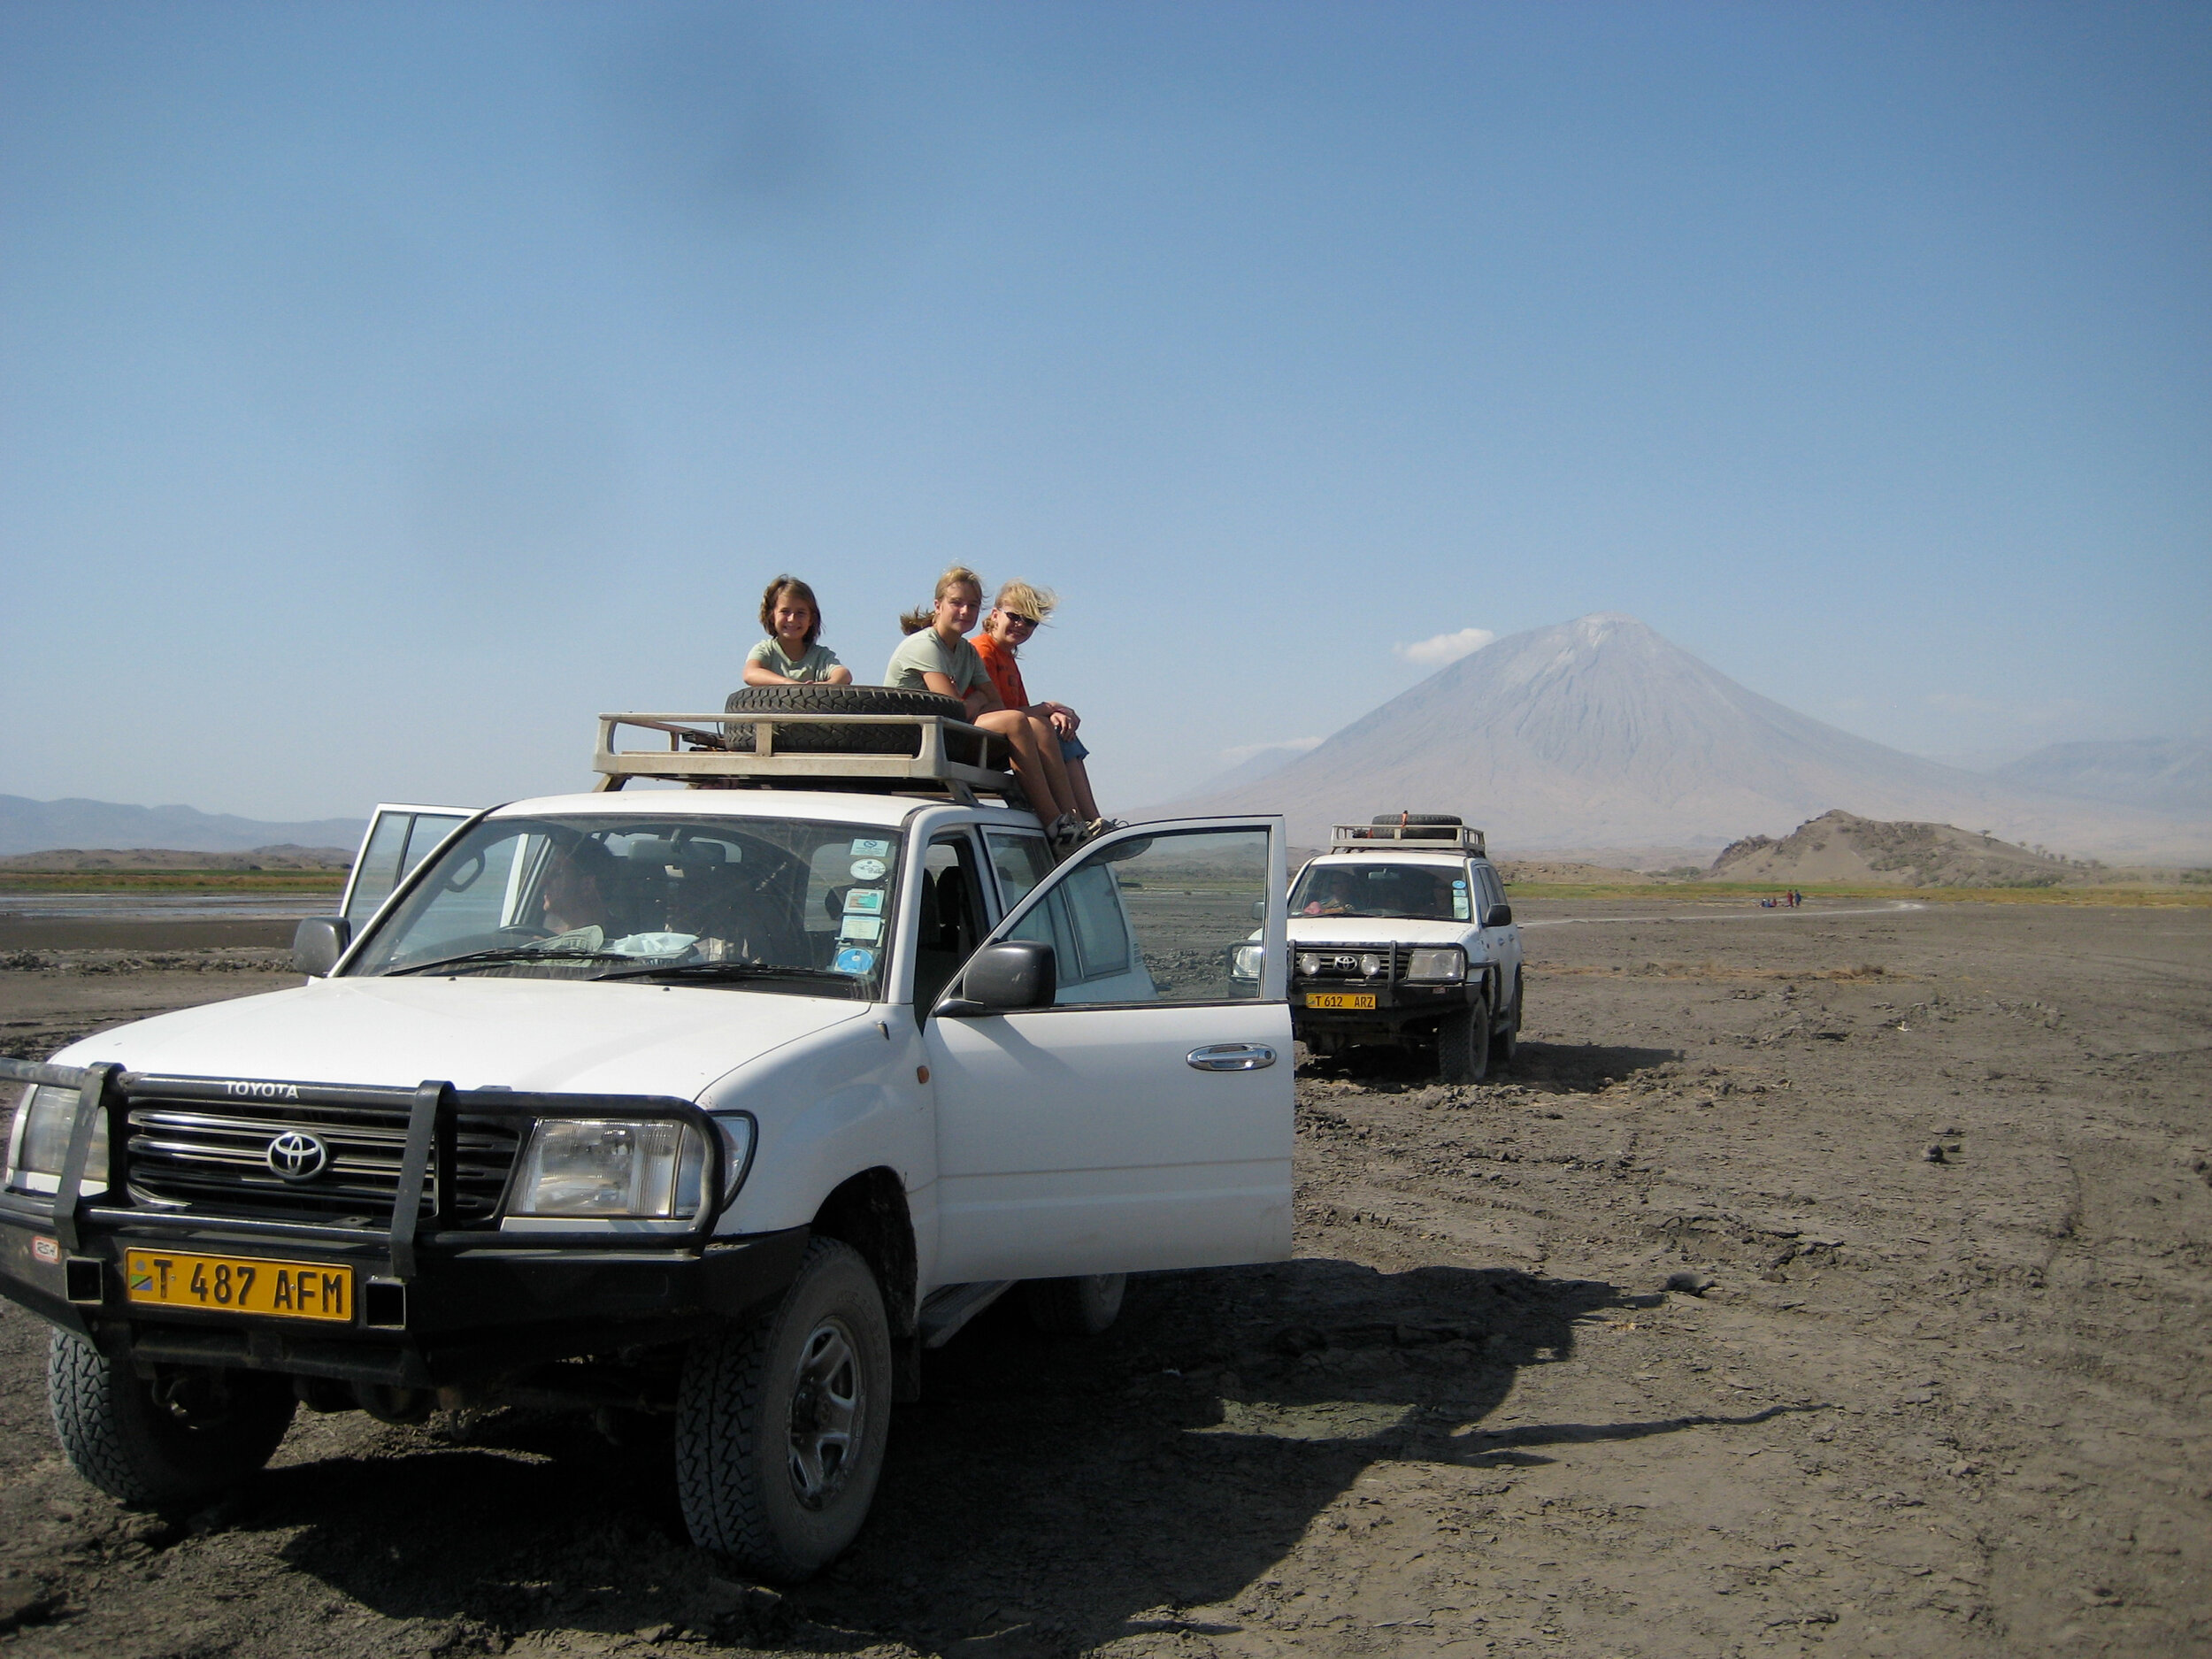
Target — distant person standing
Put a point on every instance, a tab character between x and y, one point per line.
792	653
1017	614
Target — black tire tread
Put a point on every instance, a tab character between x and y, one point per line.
1067	1307
1456	1057
112	1432
841	740
720	1403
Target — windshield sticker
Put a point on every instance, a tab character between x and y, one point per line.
866	900
854	960
870	927
867	869
1461	886
872	850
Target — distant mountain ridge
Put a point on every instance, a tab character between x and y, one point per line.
2163	774
37	826
1599	733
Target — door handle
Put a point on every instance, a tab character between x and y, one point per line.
1231	1056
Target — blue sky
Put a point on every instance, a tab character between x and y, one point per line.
385	390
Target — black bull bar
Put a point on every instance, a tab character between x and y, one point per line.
435	1304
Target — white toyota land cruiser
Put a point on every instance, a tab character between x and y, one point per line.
1400	935
722	1104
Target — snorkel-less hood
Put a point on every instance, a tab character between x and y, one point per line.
555	1035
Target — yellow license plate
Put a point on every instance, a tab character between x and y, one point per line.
1340	999
239	1284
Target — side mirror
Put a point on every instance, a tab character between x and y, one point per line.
1259	909
1005	978
1498	916
318	942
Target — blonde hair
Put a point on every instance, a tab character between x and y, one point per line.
915	622
1020	599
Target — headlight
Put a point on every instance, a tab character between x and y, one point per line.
1447	963
1371	965
1245	961
591	1167
1309	964
40	1142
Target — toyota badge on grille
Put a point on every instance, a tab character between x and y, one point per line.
297	1158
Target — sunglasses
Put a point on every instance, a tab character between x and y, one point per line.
1014	616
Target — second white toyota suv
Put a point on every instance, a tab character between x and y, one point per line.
1400	935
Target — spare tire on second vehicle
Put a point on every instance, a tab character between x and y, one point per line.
1443	823
807	738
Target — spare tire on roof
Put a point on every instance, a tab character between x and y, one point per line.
767	701
1441	825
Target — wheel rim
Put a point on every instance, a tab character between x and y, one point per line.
827	1399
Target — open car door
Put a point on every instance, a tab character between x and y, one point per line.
398	839
1139	1113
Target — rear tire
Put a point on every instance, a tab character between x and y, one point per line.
782	1423
1462	1044
175	1444
1505	1047
769	701
1075	1306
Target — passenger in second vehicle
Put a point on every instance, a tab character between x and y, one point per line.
1017	614
792	653
937	656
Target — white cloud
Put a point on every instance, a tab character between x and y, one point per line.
1445	648
1243	752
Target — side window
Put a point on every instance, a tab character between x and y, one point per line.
1154	919
1019	862
949	912
397	842
1492	889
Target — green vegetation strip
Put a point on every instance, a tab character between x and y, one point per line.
172	881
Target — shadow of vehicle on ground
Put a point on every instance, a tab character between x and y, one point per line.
1044	1494
1561	1068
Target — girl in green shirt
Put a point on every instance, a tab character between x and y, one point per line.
791	654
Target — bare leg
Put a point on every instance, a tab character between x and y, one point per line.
1080	787
1055	764
1029	769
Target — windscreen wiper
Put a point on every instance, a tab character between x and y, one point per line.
508	952
732	971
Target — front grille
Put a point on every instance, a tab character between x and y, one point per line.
1343	964
215	1161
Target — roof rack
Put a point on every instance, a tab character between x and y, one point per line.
701	753
1407	838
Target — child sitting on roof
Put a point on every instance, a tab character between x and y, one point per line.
1017	614
792	655
936	657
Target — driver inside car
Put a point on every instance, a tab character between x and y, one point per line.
575	896
1333	894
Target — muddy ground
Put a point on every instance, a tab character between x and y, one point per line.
1932	1185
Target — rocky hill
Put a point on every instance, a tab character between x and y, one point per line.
1599	733
1838	847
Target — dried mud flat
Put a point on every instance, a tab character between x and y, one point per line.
1905	1407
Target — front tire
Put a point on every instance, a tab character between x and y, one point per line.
782	1423
174	1444
1075	1306
1462	1043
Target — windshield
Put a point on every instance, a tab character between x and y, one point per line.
778	904
1376	887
